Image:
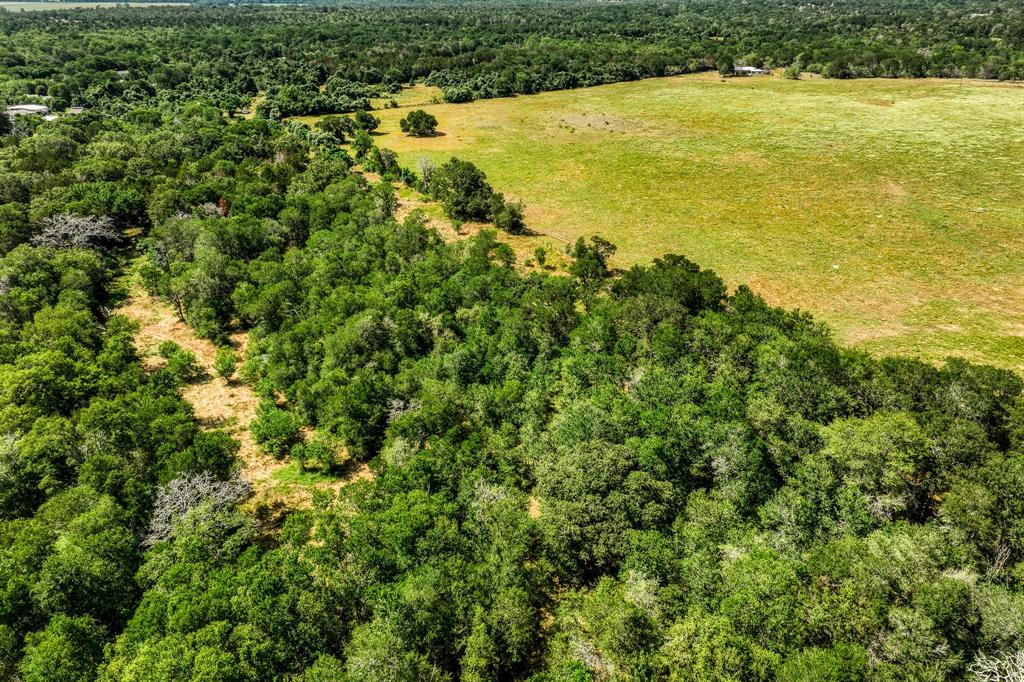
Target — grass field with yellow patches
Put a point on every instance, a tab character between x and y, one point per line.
892	209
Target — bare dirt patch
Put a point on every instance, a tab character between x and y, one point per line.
217	402
225	404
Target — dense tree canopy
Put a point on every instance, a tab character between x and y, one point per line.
336	59
578	476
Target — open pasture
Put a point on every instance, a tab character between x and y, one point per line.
893	209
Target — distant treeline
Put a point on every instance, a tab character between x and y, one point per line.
120	58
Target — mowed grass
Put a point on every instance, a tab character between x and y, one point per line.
892	209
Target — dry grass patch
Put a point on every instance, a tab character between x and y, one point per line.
229	405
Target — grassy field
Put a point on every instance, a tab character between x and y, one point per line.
892	209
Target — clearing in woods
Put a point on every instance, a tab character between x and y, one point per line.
229	405
892	209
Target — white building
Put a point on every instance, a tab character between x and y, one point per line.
26	109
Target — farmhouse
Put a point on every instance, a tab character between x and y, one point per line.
26	109
748	71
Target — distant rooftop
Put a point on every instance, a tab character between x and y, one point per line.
23	109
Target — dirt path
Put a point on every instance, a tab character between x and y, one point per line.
218	403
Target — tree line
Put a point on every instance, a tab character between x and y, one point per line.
332	59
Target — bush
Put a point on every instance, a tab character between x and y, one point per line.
794	70
418	123
225	362
181	363
276	430
510	217
319	451
463	189
540	254
366	121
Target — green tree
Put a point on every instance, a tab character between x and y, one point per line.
365	121
276	430
463	189
67	650
418	123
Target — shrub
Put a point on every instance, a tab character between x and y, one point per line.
276	430
225	362
463	189
510	217
419	123
319	451
540	254
181	363
364	120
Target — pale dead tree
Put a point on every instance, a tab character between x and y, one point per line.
207	210
1008	667
1000	560
210	210
397	407
426	167
68	230
187	492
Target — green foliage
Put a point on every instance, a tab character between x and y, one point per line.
418	123
590	261
276	430
181	363
794	70
575	478
362	143
365	121
540	254
463	190
225	362
68	650
509	217
841	663
320	452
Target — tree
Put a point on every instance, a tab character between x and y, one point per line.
336	126
509	217
180	496
725	64
67	650
593	494
540	254
362	143
6	126
275	429
463	189
794	70
377	653
419	123
590	261
365	121
66	231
